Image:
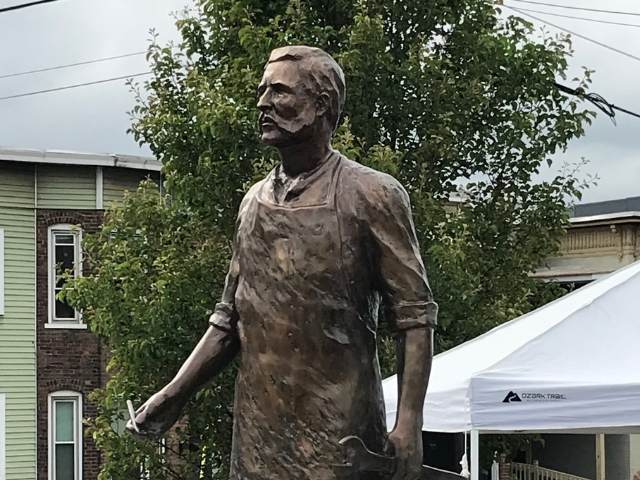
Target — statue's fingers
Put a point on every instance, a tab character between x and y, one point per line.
141	415
139	432
132	428
141	411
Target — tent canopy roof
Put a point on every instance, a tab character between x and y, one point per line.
573	364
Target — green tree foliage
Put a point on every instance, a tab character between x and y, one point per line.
438	91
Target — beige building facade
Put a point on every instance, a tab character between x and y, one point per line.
603	237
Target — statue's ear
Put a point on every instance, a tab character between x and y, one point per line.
322	104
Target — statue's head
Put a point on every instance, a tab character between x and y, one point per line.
301	95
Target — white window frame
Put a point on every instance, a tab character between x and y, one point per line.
161	449
76	398
74	230
3	444
2	282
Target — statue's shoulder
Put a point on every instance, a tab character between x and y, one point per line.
251	194
370	185
255	188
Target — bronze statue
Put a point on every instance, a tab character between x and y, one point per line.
320	243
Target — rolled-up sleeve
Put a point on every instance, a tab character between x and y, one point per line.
225	315
402	277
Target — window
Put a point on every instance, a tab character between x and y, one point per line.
161	449
65	436
64	255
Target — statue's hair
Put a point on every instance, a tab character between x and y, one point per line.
324	75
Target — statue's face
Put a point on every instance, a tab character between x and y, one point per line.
287	107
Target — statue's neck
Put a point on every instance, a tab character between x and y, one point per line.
304	157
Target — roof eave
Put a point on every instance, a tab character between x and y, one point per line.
606	219
57	157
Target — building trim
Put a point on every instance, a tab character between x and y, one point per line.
55	157
569	278
99	188
35	186
607	219
65	326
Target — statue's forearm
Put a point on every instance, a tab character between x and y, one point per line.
213	354
415	348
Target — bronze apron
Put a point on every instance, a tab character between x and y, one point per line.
309	373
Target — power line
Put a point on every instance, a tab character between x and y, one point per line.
624	110
606	107
597	100
75	86
71	65
75	64
578	8
25	5
577	18
574	33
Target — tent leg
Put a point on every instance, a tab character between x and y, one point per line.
600	457
475	455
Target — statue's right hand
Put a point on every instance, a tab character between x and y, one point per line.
156	416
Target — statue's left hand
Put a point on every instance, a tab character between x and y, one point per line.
406	445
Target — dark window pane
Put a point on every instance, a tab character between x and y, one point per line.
64	257
64	238
65	462
63	310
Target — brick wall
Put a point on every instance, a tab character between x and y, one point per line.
67	359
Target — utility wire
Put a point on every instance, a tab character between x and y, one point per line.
607	108
71	65
75	86
597	100
575	18
578	8
574	33
25	5
620	109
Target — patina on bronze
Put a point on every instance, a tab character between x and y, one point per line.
320	244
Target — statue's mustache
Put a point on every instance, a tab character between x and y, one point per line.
266	119
282	124
273	120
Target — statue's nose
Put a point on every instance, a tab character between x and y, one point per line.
264	102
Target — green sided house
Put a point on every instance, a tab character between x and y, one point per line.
49	361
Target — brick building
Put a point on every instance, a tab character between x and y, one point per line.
49	360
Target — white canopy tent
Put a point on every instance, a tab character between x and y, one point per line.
570	366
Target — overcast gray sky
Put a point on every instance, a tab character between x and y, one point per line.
94	118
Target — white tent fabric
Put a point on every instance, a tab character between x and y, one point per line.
572	365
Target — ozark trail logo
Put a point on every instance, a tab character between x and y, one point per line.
511	397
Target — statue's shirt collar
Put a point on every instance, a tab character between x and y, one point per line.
308	189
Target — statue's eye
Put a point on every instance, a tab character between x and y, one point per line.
280	89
